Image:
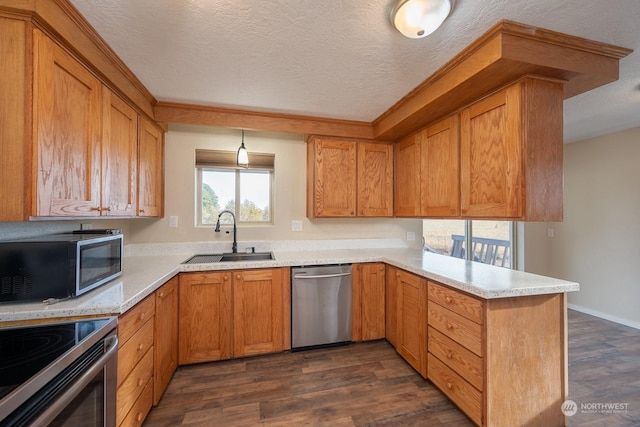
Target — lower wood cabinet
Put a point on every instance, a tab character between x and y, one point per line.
147	353
135	363
368	301
391	304
165	337
233	314
411	312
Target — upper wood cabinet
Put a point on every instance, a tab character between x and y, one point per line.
511	153
440	169
150	170
67	124
375	179
119	156
347	178
407	176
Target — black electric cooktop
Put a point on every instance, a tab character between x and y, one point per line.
25	351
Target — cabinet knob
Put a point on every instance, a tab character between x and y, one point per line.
449	354
140	382
140	347
225	277
449	326
141	316
447	299
96	209
449	385
141	210
238	277
161	294
105	209
139	417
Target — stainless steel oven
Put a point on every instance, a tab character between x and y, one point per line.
59	374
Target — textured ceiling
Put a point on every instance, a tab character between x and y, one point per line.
343	59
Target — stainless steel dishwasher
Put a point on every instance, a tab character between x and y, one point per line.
320	306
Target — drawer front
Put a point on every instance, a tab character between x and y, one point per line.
459	329
132	320
133	385
134	350
463	394
464	305
140	409
467	364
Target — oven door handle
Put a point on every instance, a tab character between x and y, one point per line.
67	397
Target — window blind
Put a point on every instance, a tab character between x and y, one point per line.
216	159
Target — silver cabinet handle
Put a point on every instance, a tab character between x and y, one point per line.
321	276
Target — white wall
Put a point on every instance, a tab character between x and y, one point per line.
598	243
290	194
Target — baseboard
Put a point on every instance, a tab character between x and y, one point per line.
604	316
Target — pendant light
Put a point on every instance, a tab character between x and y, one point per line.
243	157
419	18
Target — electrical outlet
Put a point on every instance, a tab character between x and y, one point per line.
173	221
296	225
411	235
86	226
550	232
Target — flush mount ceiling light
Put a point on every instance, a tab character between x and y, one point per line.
419	18
243	157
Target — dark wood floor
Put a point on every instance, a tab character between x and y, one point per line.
368	384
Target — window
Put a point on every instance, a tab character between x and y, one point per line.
491	242
248	193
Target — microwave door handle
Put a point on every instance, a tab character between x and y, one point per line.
67	397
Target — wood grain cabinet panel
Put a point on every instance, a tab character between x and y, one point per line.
391	304
368	301
375	180
348	178
440	169
412	320
150	169
407	176
166	337
511	153
258	312
132	387
133	350
119	156
67	126
205	317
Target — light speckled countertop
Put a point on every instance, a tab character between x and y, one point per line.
143	274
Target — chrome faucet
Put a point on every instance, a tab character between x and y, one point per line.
234	248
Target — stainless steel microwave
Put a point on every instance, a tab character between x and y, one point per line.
58	266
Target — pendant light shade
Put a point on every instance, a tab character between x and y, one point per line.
419	18
243	157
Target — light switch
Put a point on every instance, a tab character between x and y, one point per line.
411	235
296	225
549	232
173	221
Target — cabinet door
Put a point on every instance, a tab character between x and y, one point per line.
258	313
150	170
373	301
205	317
375	179
490	158
391	304
332	188
407	182
67	116
119	156
440	169
412	320
166	337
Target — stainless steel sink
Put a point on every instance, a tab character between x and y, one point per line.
229	257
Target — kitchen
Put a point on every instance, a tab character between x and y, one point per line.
290	202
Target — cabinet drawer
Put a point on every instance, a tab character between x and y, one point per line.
133	386
459	329
140	409
134	350
132	320
464	305
463	394
465	363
